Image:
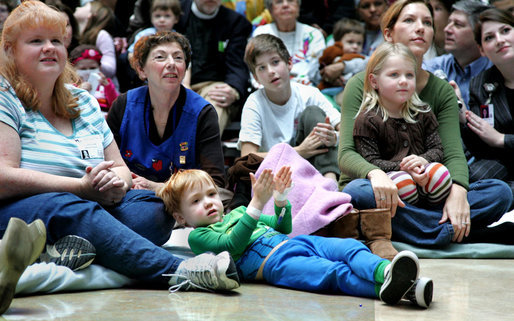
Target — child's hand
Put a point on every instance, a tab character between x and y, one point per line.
283	183
103	79
420	179
413	163
262	189
85	85
283	179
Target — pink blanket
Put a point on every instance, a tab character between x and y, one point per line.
315	200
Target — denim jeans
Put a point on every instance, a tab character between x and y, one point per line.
127	237
328	264
489	199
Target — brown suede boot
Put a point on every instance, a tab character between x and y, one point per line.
376	230
346	226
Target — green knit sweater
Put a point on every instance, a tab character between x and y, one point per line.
237	231
443	101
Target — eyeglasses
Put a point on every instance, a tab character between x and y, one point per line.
4	10
282	2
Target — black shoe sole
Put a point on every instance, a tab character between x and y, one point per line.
404	272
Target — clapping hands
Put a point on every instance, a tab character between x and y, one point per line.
268	185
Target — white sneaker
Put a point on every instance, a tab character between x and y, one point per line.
421	292
207	272
399	277
71	251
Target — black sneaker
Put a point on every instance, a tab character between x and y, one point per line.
399	277
207	272
421	292
71	251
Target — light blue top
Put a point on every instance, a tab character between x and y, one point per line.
145	32
44	148
454	71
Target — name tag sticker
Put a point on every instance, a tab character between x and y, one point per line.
90	147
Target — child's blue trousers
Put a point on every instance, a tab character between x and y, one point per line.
314	263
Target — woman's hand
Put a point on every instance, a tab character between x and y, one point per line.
484	130
456	209
139	182
262	189
85	85
385	190
463	108
102	185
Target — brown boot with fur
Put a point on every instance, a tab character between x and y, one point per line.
376	230
346	226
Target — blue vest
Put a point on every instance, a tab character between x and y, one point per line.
158	162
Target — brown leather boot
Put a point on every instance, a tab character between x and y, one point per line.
346	226
376	230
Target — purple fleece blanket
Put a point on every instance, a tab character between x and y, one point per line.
315	200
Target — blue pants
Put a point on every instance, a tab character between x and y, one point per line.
323	264
127	237
489	199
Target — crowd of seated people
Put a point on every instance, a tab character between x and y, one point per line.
172	75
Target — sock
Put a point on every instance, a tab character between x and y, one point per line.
378	275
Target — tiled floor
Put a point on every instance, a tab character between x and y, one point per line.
464	290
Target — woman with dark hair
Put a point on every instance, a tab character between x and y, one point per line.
163	127
469	208
491	139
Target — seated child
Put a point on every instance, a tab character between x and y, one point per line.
86	60
396	131
349	39
286	112
262	251
164	14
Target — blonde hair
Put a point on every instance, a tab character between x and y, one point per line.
371	98
27	16
183	180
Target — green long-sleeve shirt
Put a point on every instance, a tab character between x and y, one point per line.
443	101
237	231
